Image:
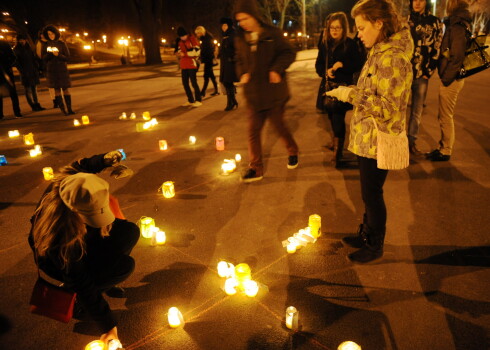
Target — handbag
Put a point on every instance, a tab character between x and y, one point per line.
50	300
392	150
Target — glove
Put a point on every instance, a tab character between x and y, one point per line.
120	171
112	158
341	93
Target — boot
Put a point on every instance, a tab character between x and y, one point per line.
68	104
372	250
335	144
55	103
357	241
413	149
338	152
229	102
61	105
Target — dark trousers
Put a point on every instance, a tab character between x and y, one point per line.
337	120
256	121
31	95
372	181
190	75
13	96
209	74
230	94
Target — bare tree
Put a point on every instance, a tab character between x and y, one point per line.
149	14
481	14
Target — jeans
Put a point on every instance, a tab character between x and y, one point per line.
372	181
419	93
190	74
256	121
448	95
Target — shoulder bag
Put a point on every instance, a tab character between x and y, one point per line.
392	150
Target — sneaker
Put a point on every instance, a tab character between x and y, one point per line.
187	104
292	162
196	104
251	176
437	156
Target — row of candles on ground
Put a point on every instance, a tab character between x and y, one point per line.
28	140
304	236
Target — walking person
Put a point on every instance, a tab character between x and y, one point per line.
188	51
7	61
77	240
227	68
28	67
426	31
338	58
380	102
55	56
207	59
263	55
453	48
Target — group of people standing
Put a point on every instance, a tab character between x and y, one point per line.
49	56
192	51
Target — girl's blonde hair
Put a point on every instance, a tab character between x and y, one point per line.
56	227
337	16
200	30
383	10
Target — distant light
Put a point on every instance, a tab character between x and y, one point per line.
285	34
164	41
1	37
104	36
85	33
140	40
98	40
87	47
26	22
77	35
215	42
5	13
300	34
62	29
129	36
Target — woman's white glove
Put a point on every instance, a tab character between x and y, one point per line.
341	93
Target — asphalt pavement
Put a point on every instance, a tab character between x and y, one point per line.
429	291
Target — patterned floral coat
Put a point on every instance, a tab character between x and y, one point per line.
381	93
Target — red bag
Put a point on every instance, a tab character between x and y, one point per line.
52	301
116	210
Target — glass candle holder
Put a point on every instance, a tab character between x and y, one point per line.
230	286
238	158
251	288
226	269
85	120
76	122
349	345
291	248
123	116
147	226
243	273
146	115
220	143
162	144
292	318
14	133
192	140
140	127
228	166
3	160
29	139
315	225
132	116
158	237
168	189
48	173
95	345
175	318
114	344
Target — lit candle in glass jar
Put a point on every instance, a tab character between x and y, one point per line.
292	318
147	225
175	318
168	189
243	273
14	133
163	145
140	127
159	237
76	122
228	166
349	345
238	158
230	286
192	140
220	143
251	288
315	225
132	116
85	119
95	345
123	116
291	248
29	139
48	173
146	115
114	344
226	269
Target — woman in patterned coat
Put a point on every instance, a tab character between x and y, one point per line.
381	97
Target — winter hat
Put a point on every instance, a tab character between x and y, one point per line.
226	20
181	32
88	195
248	6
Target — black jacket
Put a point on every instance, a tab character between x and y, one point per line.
227	73
453	46
207	48
27	64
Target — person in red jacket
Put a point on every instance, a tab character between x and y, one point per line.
189	51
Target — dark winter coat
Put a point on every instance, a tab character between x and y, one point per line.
454	45
347	53
7	58
227	70
56	66
27	64
426	33
207	48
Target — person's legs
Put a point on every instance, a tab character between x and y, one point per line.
53	97
337	120
206	78
419	93
195	86
29	97
276	117
13	96
213	79
374	227
67	97
59	101
256	120
185	83
448	95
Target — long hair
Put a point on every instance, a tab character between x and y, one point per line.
383	10
428	6
337	16
455	5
